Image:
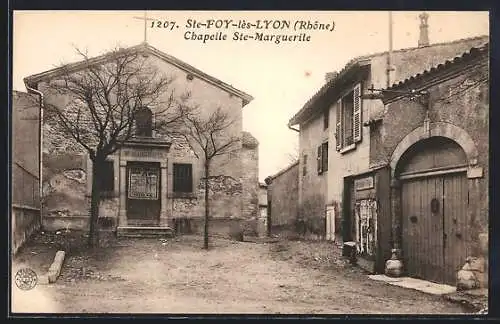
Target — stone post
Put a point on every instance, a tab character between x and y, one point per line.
396	214
164	219
122	216
394	266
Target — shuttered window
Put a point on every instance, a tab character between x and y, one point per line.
318	160
322	158
183	177
326	118
348	128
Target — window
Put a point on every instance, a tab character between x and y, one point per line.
144	122
326	118
323	158
304	165
183	178
348	119
108	178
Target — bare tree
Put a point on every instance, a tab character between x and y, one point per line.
106	97
294	154
211	137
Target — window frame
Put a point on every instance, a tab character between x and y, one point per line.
187	179
326	118
322	158
148	128
342	145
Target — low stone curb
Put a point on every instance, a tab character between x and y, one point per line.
473	300
55	268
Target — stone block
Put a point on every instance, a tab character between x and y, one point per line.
466	280
476	264
55	267
476	172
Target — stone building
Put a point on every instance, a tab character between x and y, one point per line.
339	182
174	195
436	144
25	198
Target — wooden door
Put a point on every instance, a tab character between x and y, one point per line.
456	233
143	194
434	215
423	233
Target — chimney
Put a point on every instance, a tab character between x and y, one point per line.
423	40
330	76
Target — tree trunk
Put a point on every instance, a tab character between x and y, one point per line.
207	207
93	240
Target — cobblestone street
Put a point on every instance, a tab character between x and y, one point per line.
177	276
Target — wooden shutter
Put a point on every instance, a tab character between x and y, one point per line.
320	166
338	126
324	156
357	122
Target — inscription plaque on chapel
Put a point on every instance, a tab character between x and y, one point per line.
144	153
143	184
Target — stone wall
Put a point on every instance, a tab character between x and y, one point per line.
250	178
283	194
25	214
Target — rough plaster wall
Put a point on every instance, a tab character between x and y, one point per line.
410	62
468	110
312	186
25	114
263	194
284	191
404	116
349	163
250	182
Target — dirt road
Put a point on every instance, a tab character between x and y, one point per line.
177	276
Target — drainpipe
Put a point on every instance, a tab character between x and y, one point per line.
294	129
40	142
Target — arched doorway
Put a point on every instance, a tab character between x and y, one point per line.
434	202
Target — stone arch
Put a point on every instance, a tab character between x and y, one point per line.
442	129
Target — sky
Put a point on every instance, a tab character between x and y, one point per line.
280	77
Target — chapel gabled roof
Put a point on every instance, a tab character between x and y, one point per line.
32	80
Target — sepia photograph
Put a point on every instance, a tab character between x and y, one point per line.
249	162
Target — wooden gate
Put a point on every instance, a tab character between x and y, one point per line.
434	202
143	193
434	212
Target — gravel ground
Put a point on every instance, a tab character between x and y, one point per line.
177	276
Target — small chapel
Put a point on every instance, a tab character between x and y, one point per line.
153	183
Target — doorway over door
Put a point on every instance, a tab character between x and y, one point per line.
434	201
143	193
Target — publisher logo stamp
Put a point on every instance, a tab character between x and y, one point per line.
26	279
